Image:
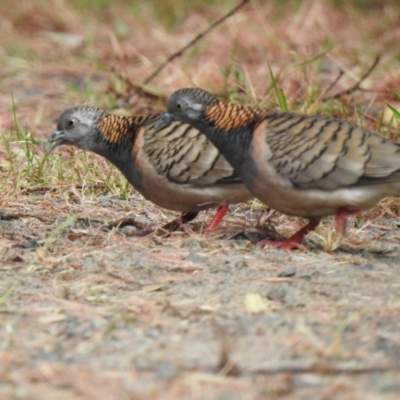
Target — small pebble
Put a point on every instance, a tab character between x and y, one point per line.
287	272
128	230
192	243
28	244
166	370
277	293
195	258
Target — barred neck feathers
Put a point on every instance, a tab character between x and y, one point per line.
228	116
117	130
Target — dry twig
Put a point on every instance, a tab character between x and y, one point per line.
305	367
137	89
226	366
353	88
193	42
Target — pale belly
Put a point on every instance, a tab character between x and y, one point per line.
314	203
186	197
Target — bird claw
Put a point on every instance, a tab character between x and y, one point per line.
294	242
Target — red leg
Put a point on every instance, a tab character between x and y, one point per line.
294	241
341	218
218	217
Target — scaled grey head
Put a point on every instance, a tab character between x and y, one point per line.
75	126
187	105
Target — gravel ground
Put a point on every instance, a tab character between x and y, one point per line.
190	317
89	310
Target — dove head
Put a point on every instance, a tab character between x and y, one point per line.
76	126
189	106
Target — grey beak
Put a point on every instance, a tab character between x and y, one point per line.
165	119
55	140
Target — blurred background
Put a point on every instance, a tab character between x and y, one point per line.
55	54
87	312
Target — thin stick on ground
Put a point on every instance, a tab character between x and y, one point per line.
321	368
356	86
193	42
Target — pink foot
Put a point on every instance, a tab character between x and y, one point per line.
294	242
218	217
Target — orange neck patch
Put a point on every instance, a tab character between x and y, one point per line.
115	128
230	116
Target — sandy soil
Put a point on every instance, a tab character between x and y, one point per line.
90	311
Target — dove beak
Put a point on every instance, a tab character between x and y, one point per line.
165	119
55	140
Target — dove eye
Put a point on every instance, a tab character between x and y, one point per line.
70	123
179	106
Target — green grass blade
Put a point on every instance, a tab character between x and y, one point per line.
395	112
278	91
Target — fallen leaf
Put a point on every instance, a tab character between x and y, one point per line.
255	304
